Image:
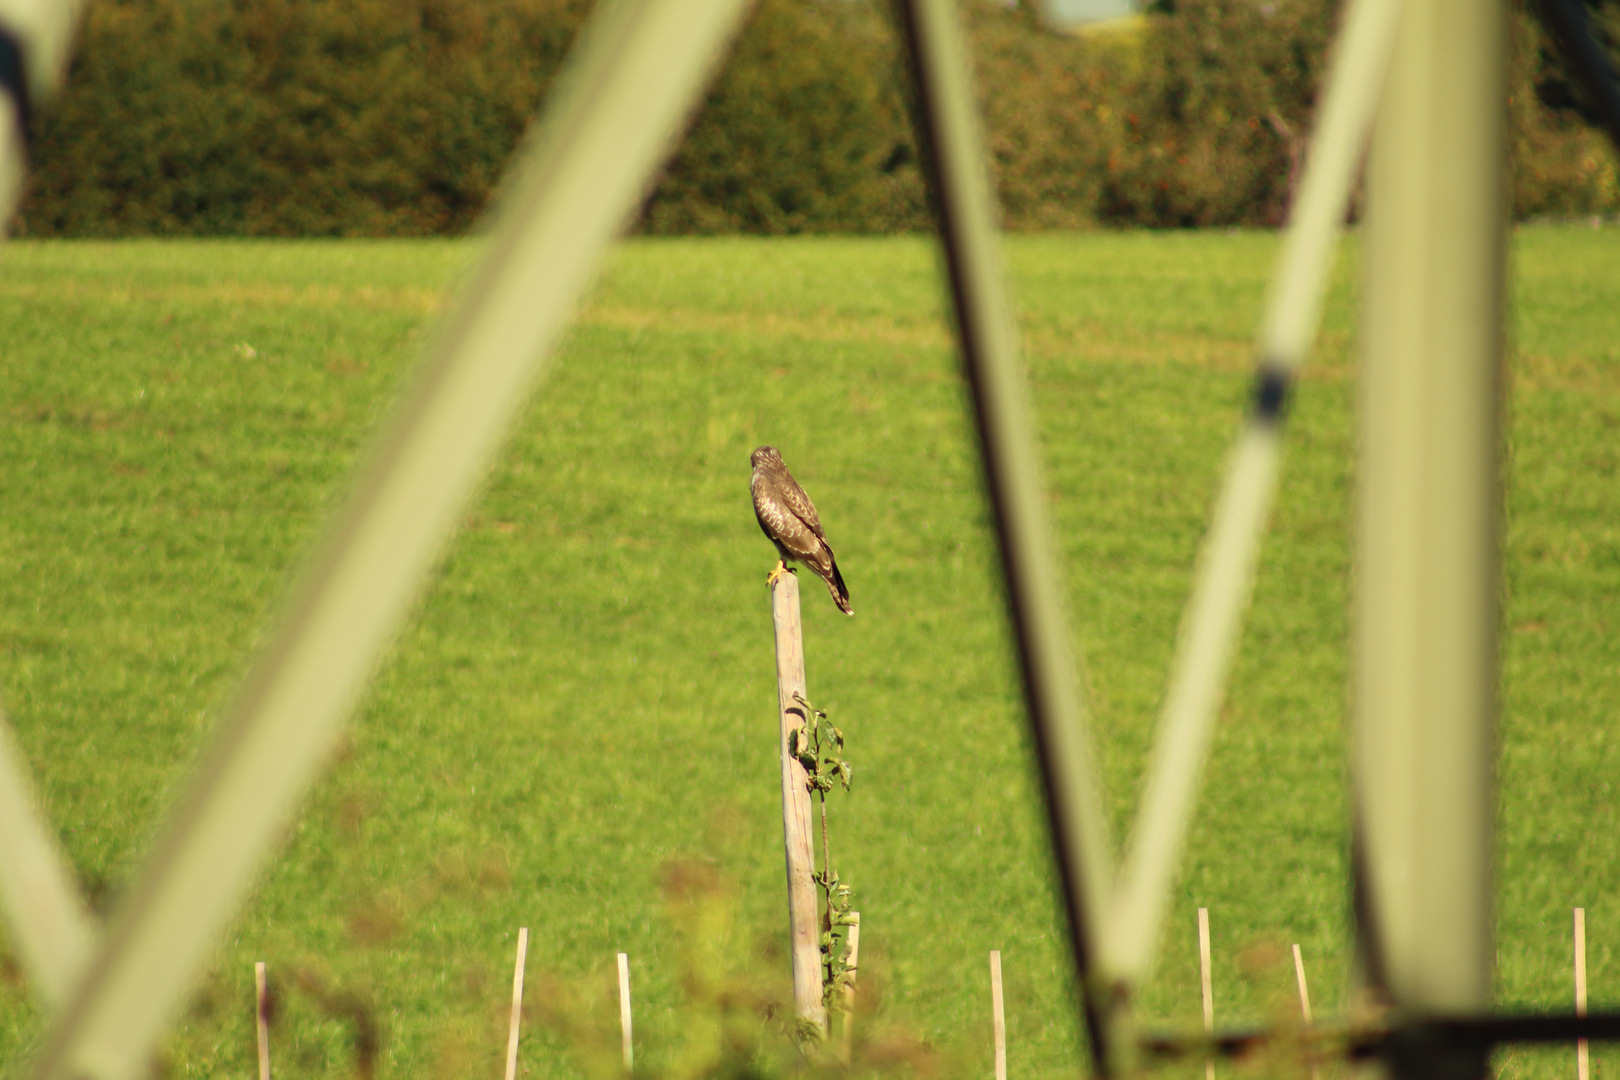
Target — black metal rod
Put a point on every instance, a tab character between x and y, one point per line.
1523	1028
1455	1033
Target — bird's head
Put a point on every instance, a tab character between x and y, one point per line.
765	454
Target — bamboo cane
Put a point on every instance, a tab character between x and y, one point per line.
853	961
1582	1062
1304	1002
517	1003
1207	984
998	1017
624	1014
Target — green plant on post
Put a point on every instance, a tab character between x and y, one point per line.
819	746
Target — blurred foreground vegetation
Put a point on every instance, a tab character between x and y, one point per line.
396	117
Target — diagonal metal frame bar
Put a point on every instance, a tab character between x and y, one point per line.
954	157
35	39
1214	617
632	82
45	915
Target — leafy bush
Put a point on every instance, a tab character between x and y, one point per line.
805	130
1052	115
291	117
1563	165
395	117
1220	112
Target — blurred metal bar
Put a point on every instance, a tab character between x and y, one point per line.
45	916
955	160
1198	678
35	39
41	33
1356	74
1428	508
637	72
1214	617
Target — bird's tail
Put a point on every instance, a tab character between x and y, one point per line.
840	591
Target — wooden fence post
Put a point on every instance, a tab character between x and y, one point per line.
797	837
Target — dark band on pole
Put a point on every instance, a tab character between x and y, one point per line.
1272	387
14	80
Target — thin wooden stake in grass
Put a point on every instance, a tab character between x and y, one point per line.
998	1019
1209	991
853	960
1304	1002
624	1014
797	837
261	987
1581	1063
1304	991
517	1003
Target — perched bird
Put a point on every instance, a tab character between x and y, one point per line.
789	518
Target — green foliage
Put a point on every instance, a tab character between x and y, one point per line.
1052	112
1221	114
819	747
1221	111
291	117
804	131
734	1013
1563	164
396	117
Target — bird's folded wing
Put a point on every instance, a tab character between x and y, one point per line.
796	537
794	497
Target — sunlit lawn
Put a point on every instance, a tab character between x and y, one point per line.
586	691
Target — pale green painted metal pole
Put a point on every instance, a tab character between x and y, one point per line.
45	917
1214	618
1428	516
35	39
1357	71
965	206
639	69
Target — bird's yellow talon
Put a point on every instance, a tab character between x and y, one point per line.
776	574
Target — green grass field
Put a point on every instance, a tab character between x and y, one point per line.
586	689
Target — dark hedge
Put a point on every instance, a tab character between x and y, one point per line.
396	117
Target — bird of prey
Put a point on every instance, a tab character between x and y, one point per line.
789	519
